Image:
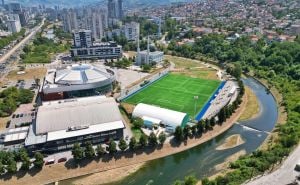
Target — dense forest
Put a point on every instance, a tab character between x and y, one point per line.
276	62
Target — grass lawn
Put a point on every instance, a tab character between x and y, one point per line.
30	74
176	92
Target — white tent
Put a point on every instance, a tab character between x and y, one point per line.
168	117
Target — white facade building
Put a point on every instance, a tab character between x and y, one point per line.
147	57
131	31
13	23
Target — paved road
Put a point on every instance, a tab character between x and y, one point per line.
20	44
284	175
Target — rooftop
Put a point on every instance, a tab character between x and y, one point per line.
75	113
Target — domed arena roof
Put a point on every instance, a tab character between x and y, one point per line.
81	74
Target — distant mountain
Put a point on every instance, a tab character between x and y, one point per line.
77	3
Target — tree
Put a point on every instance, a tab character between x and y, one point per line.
178	182
137	123
25	163
39	160
77	152
162	138
178	134
11	166
112	146
133	144
2	168
152	139
89	150
200	127
190	180
143	140
207	124
186	131
100	150
23	157
237	71
122	144
194	130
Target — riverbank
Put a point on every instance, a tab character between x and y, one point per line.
108	176
282	114
253	108
59	172
272	136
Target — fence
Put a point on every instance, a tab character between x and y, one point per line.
128	92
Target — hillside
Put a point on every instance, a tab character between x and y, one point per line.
72	3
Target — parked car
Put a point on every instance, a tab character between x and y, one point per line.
50	161
64	159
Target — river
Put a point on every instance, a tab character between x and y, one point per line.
201	160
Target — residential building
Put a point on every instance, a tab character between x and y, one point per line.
82	38
16	8
91	18
115	9
69	18
13	23
131	31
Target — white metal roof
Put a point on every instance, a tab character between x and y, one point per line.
169	117
20	129
81	74
61	134
55	116
15	137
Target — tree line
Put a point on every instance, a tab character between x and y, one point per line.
7	40
279	64
9	160
86	150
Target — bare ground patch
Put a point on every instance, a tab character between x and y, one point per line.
231	142
252	106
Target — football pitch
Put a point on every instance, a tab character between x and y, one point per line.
177	92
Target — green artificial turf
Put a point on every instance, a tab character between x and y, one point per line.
176	92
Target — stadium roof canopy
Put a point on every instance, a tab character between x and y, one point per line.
76	77
81	74
168	117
